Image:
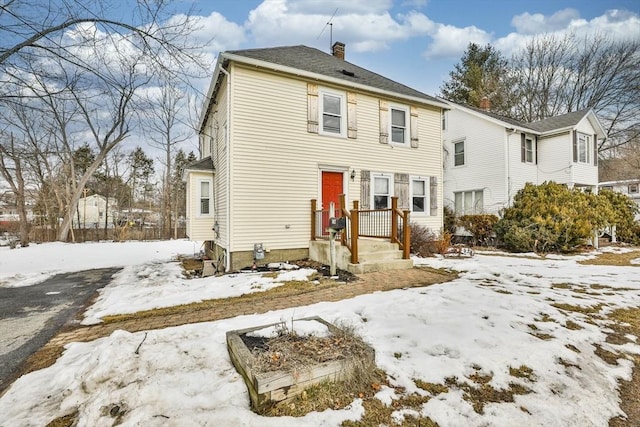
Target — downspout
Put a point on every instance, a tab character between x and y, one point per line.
228	180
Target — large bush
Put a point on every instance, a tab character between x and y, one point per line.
552	218
624	211
480	227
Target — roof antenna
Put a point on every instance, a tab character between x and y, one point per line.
330	24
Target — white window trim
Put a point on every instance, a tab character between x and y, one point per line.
533	150
587	143
343	112
464	152
210	195
473	202
427	194
375	175
407	125
633	188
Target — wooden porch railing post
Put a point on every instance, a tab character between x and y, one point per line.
314	206
394	220
354	232
342	209
406	231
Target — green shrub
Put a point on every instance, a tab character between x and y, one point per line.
480	226
552	218
450	220
624	211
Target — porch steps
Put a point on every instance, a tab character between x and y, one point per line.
374	255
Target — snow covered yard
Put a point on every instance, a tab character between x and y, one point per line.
536	326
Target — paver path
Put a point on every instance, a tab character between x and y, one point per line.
367	283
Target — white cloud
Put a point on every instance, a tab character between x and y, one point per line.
527	23
614	24
217	32
450	41
327	7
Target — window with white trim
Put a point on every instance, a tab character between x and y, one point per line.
584	151
633	188
333	109
382	191
529	150
399	125
458	153
469	202
420	195
205	197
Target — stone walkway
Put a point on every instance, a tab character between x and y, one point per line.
367	283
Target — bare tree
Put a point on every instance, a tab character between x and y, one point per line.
83	70
559	75
166	132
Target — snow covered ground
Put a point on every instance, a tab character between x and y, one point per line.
483	322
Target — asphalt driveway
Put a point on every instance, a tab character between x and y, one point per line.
31	315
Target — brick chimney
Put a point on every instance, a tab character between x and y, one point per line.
485	104
337	50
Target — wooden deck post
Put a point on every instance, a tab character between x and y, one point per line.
394	220
406	249
314	206
354	232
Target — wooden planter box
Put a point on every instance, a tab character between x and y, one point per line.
268	387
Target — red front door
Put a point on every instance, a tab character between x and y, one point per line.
331	191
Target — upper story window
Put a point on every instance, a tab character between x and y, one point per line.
633	188
528	149
332	107
458	153
205	197
584	151
399	125
420	195
382	187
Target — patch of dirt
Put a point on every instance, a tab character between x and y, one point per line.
628	322
65	421
610	258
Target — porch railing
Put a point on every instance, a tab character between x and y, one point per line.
392	224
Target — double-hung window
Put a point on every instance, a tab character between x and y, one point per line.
420	195
469	202
382	187
529	150
332	106
399	125
205	197
458	153
583	148
633	188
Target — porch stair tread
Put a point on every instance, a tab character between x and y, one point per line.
371	267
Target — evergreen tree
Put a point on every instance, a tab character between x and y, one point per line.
482	72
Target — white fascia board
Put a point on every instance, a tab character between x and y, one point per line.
209	98
493	119
321	77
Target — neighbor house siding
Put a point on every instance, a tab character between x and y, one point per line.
276	172
484	167
199	227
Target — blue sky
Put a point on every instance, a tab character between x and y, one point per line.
415	42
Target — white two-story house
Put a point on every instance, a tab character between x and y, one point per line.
285	132
489	158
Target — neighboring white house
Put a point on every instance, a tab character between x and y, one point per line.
628	187
92	211
488	158
283	126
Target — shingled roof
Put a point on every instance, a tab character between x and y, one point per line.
315	61
559	122
205	164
